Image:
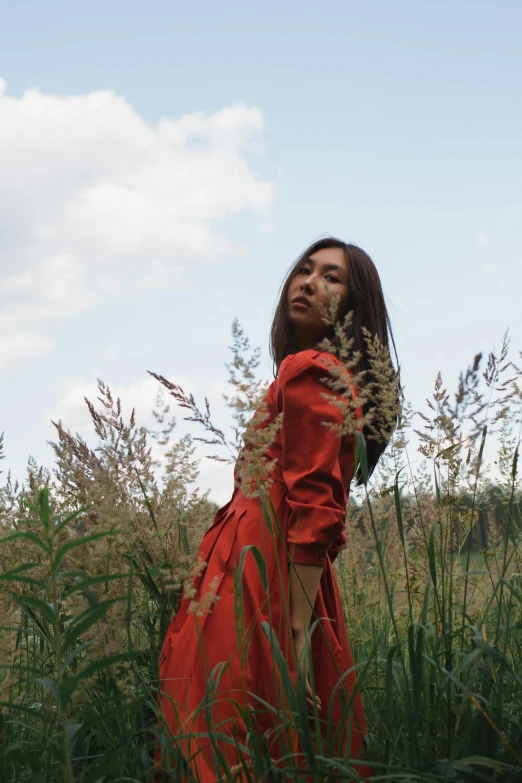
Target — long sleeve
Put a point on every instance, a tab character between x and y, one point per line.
310	458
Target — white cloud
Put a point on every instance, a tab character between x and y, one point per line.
482	239
490	270
18	348
95	200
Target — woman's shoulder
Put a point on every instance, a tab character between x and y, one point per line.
308	361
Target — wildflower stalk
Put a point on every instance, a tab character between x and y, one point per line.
491	375
55	687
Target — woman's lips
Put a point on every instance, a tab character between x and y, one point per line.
301	305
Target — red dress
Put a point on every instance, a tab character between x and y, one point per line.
308	492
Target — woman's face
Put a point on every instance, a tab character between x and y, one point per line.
325	271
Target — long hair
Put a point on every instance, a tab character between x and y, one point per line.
366	302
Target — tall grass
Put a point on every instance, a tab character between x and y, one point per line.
94	558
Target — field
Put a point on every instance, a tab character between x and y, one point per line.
95	555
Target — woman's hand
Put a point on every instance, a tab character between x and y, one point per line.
299	638
304	584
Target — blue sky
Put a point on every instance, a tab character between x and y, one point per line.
171	160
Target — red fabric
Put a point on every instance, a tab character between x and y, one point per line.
308	496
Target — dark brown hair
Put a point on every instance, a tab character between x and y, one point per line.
365	300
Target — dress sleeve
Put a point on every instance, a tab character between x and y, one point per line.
310	458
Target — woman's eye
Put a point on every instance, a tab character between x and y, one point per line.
306	270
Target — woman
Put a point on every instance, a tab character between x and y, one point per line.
264	569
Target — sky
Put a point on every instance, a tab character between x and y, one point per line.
162	165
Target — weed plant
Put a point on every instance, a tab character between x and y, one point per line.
94	558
